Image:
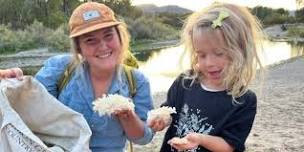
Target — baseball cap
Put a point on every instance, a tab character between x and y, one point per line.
91	16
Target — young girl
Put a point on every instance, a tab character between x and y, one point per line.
215	108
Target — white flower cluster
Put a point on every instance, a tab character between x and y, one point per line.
109	103
162	112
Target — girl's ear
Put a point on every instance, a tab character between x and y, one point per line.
196	67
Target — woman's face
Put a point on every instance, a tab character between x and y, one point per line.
101	48
212	59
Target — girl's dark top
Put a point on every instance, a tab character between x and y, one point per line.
207	112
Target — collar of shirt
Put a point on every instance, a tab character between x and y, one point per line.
118	85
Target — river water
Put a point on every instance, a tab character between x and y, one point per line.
163	66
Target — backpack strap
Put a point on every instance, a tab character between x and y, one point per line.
130	148
66	76
131	80
131	60
132	88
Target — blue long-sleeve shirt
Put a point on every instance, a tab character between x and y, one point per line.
78	94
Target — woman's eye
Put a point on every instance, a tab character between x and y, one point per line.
108	36
90	41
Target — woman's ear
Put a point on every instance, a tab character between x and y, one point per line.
79	54
78	49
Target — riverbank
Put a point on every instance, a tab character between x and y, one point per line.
31	59
279	33
279	123
142	50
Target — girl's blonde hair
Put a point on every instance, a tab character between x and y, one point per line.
124	38
241	31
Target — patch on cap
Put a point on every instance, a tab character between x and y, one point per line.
89	15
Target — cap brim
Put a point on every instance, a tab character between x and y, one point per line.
93	28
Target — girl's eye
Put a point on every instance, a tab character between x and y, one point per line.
219	53
201	55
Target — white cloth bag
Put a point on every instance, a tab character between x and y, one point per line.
32	120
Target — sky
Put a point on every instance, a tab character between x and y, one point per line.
198	4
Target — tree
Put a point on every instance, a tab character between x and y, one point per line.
10	12
300	4
300	15
121	7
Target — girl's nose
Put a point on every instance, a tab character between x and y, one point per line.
209	60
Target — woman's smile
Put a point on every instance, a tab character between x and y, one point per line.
104	55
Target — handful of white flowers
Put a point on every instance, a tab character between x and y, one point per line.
178	141
162	112
110	103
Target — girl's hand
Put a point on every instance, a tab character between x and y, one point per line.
159	123
190	141
158	119
11	73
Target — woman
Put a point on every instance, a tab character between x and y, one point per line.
100	43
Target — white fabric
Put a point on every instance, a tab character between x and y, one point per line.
210	90
31	119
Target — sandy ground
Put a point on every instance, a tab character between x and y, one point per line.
279	123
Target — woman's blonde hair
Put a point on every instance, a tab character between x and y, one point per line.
124	38
241	31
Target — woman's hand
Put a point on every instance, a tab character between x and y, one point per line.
124	113
159	123
11	73
132	125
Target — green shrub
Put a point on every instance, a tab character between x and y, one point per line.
37	32
59	40
30	70
296	31
150	28
37	35
7	39
33	36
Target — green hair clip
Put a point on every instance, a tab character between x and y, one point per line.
218	22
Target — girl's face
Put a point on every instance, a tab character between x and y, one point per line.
211	56
101	48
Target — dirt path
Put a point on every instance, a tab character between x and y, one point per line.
279	124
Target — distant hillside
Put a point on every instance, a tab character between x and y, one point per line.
151	8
